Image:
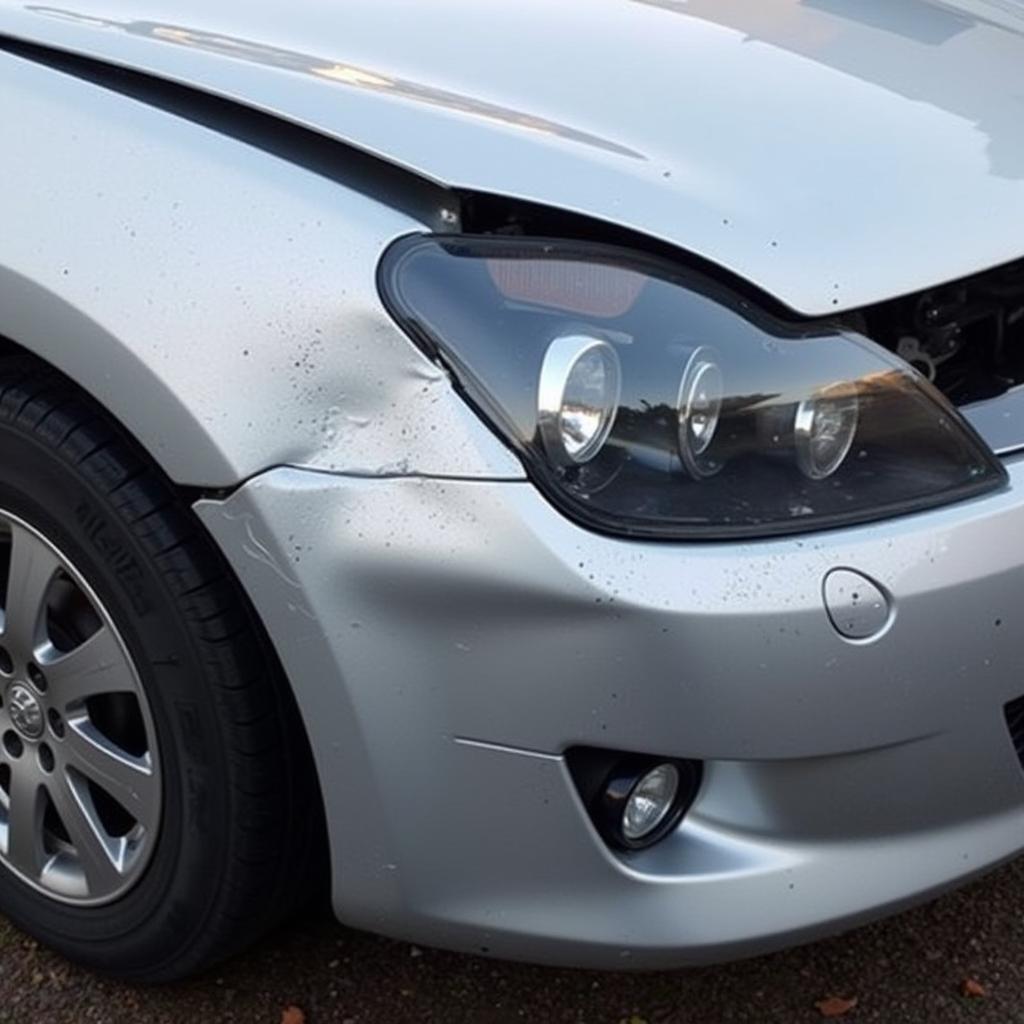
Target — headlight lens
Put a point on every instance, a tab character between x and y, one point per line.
648	400
824	430
700	408
577	397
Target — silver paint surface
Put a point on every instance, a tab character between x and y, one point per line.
447	633
833	152
218	300
999	420
449	640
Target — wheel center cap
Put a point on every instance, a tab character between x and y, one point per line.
25	710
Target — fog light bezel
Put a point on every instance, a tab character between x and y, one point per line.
606	779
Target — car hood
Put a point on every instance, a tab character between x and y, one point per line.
832	152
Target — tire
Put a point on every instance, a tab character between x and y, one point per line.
223	834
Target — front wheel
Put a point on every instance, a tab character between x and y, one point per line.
157	805
80	765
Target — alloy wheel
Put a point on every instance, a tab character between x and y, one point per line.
80	788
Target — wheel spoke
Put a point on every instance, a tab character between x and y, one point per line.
95	667
25	821
128	780
74	716
73	803
33	566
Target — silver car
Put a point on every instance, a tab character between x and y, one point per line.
545	470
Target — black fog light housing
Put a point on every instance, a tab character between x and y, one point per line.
634	800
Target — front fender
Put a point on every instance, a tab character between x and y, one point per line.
217	299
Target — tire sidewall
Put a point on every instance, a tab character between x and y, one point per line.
57	497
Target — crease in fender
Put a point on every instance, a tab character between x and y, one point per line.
370	475
221	496
502	748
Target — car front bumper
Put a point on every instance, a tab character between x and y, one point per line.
448	640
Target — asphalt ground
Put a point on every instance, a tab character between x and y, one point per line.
911	969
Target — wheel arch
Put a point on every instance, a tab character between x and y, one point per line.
39	332
214	298
40	323
77	481
216	291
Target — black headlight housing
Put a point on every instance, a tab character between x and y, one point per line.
648	400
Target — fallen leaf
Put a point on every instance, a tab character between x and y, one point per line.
835	1007
292	1015
973	989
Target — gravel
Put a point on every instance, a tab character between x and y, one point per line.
908	970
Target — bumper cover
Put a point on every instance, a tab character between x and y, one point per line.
448	640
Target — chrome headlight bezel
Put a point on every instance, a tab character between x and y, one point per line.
564	355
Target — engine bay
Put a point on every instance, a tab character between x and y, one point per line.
967	337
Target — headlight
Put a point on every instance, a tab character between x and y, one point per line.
648	400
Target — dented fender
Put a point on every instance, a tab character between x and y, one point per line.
218	299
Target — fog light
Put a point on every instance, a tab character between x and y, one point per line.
634	800
650	802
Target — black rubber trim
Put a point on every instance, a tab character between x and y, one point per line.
1014	714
